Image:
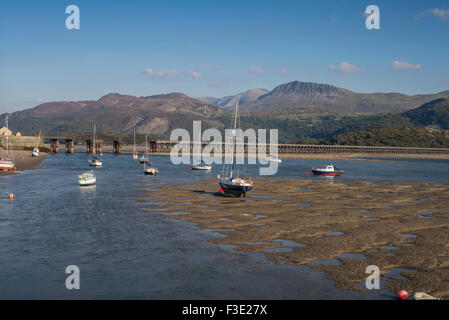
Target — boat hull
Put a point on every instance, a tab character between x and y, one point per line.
201	168
151	171
234	190
6	165
324	173
86	183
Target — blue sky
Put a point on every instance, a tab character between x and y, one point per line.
217	48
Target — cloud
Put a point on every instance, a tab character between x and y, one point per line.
439	13
255	70
402	65
346	68
193	74
217	84
284	71
161	74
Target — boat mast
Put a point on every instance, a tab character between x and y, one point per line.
7	135
146	146
134	141
38	139
234	140
93	147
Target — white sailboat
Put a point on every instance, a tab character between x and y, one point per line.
201	166
87	179
6	163
35	152
135	156
230	181
94	161
148	167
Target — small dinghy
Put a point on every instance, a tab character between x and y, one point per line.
330	170
87	179
201	166
143	159
274	159
423	296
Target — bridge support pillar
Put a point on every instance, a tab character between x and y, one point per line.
54	146
89	147
99	148
69	146
117	147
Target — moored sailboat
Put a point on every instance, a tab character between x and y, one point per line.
148	167
201	166
94	161
230	181
35	152
135	156
87	179
6	163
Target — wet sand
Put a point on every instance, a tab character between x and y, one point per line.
24	161
403	228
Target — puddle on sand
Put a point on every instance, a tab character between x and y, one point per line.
290	244
260	216
372	219
208	210
408	244
279	250
389	254
174	213
258	243
223	219
259	224
328	262
334	233
353	256
396	273
409	235
389	247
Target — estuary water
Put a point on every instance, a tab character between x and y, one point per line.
127	250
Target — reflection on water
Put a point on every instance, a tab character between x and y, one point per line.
126	248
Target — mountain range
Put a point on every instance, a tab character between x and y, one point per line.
303	112
300	94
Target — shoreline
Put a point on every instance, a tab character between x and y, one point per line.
24	161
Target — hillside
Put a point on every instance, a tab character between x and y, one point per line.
434	113
158	115
298	93
244	98
155	115
394	137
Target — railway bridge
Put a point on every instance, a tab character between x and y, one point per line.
116	140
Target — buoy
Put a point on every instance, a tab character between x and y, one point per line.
307	173
11	196
221	190
402	295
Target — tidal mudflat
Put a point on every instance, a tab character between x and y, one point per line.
339	228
